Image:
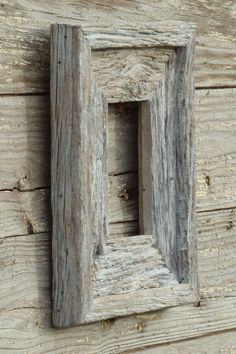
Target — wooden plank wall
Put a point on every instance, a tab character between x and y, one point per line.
25	249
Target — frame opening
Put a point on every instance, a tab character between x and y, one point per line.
129	170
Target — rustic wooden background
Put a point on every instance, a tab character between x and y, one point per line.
25	249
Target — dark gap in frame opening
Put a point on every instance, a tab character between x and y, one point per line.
125	191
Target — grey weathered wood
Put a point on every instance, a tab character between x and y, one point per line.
217	253
25	128
24	158
81	256
24	142
123	198
78	178
128	74
213	344
25	121
26	289
25	46
24	213
26	263
173	167
187	328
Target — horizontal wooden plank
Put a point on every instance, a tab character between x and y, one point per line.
121	229
21	259
25	264
212	344
25	68
28	330
25	44
24	213
26	280
216	148
26	298
215	112
25	161
123	198
25	123
29	212
217	252
24	142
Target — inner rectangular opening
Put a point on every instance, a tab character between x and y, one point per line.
124	202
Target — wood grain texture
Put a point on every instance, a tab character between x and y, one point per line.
25	293
24	142
170	34
136	265
25	120
26	330
25	68
215	127
123	229
26	271
131	277
123	198
34	252
24	213
218	343
217	253
78	175
129	74
28	212
134	259
25	44
173	167
215	134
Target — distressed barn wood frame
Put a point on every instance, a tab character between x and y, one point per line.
95	276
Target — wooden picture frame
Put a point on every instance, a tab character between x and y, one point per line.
95	277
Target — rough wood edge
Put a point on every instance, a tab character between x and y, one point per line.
161	34
74	188
78	314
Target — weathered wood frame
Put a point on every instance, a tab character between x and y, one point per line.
79	109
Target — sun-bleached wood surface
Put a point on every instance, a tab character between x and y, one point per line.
28	327
25	43
25	300
29	330
24	157
223	343
25	260
25	140
215	118
82	293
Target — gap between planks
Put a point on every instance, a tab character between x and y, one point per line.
24	190
46	93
